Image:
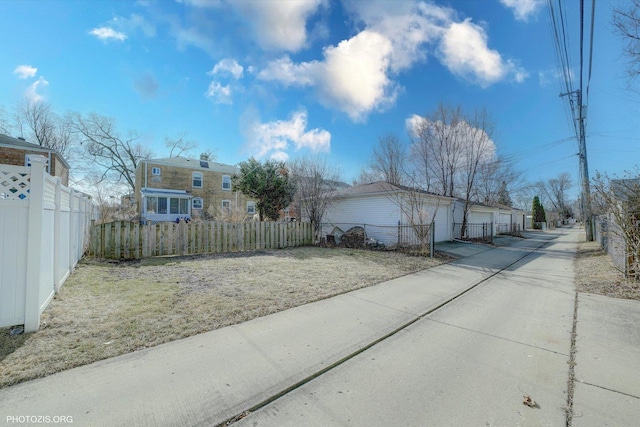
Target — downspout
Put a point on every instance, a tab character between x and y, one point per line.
143	201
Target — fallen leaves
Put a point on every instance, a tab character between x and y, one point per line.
528	401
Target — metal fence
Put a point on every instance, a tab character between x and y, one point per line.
609	235
509	229
474	232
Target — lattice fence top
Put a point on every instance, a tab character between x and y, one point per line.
14	185
49	190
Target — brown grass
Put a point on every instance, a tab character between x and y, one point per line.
596	274
109	309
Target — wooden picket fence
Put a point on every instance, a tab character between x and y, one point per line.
131	240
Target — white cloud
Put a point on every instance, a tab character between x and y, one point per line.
227	66
523	9
273	139
464	51
25	71
107	33
356	76
352	78
218	93
32	91
408	25
279	25
285	71
412	124
279	156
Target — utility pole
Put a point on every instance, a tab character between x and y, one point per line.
584	167
584	172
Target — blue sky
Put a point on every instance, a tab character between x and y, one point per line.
284	79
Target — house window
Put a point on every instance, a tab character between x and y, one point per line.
251	208
197	203
155	171
174	205
162	205
184	206
226	206
226	182
197	179
152	205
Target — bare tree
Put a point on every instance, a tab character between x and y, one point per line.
477	149
438	141
366	176
115	157
495	178
37	123
556	190
180	145
388	159
5	127
626	20
622	197
316	181
449	151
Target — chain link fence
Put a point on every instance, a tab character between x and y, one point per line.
609	235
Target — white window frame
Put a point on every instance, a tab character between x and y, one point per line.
226	179
156	171
195	201
193	179
251	208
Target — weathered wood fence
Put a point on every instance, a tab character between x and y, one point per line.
131	240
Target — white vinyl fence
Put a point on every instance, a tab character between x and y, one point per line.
44	231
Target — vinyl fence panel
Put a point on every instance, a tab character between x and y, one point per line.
43	234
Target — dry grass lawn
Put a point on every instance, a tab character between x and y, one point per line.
596	274
109	309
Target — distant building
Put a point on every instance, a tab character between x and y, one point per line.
176	188
15	152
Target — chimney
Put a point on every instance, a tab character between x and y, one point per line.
204	156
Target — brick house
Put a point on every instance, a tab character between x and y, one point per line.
14	151
179	188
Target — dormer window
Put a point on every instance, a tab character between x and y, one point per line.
226	182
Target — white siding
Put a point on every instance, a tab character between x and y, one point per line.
480	217
379	216
374	210
504	218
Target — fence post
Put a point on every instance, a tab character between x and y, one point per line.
432	238
34	244
56	236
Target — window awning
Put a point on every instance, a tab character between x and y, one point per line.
160	192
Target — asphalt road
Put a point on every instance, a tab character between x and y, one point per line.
469	363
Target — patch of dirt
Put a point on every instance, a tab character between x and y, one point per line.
596	274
